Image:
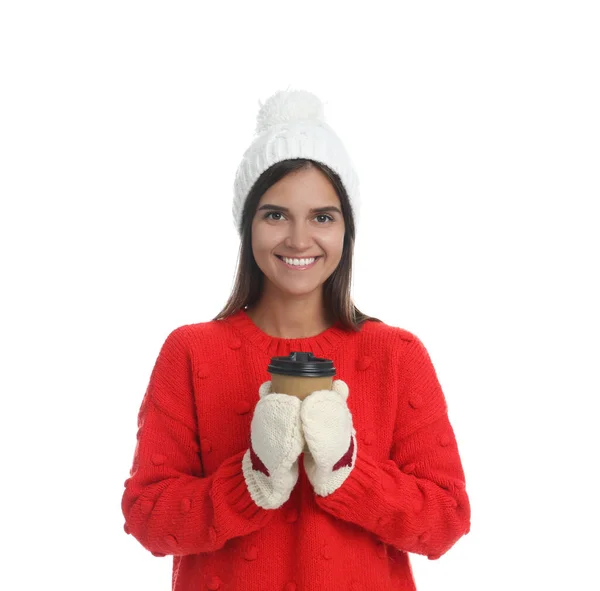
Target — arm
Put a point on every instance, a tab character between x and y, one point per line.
170	507
417	500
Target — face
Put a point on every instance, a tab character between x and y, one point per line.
292	220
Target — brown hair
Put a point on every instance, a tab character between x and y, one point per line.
336	289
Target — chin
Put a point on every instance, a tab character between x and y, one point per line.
292	288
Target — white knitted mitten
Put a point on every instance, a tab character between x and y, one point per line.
330	438
270	464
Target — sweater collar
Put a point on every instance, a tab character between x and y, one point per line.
321	345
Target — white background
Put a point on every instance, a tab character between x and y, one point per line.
475	129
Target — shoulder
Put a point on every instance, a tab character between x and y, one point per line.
395	334
201	334
400	345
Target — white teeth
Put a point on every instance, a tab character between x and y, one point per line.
299	262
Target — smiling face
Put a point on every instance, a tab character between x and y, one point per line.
293	220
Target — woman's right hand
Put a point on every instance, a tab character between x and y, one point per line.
270	465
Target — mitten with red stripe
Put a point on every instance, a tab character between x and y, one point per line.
330	438
270	465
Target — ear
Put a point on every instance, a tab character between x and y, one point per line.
341	388
264	389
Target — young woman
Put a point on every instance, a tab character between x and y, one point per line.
254	490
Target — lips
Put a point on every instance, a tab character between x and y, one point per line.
300	267
317	257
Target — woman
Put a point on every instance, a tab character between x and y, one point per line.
251	489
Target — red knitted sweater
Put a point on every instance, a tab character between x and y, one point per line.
187	497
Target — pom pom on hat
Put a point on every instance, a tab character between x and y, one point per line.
286	106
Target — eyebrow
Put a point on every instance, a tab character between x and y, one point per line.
313	210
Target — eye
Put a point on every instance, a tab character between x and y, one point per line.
266	216
324	215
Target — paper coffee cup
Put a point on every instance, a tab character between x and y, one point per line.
300	374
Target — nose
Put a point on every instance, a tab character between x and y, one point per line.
299	237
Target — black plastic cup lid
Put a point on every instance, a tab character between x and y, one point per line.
302	364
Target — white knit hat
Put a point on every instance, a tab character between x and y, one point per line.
291	124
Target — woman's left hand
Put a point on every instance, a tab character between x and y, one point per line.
330	438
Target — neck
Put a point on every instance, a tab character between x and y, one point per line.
290	318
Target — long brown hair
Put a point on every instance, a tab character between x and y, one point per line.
336	289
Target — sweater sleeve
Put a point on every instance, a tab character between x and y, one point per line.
169	505
417	499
